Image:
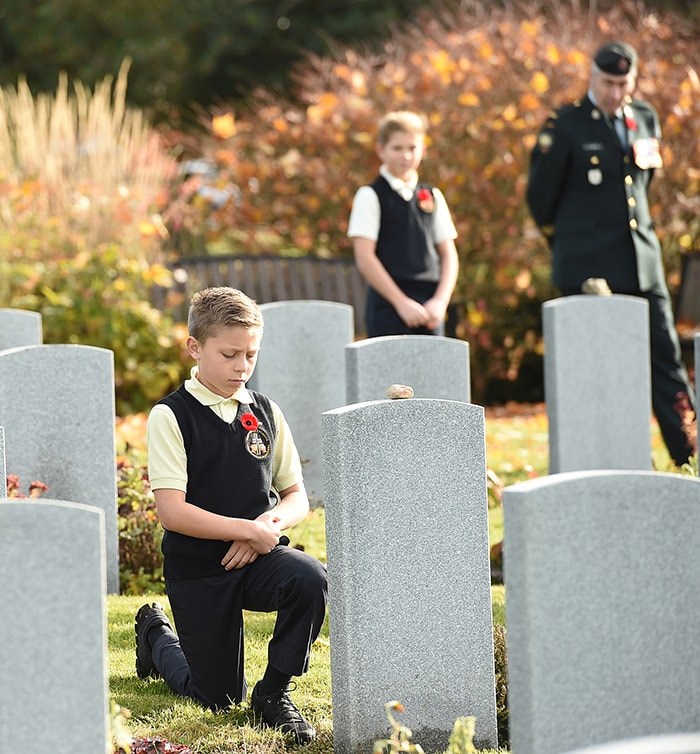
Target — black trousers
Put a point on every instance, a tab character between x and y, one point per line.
382	319
205	660
671	395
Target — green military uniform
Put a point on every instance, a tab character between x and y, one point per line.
589	196
587	191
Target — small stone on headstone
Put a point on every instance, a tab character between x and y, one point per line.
395	392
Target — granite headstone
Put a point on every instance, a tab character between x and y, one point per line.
19	328
53	635
302	368
602	571
435	367
675	743
3	467
597	379
57	405
408	566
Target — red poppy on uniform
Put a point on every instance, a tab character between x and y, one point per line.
250	422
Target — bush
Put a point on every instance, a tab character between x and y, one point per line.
140	532
501	668
101	298
486	77
81	241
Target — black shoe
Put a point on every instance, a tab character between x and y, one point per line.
279	711
147	618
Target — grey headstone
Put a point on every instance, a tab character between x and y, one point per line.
697	393
3	468
679	743
597	379
408	565
57	406
53	637
435	367
302	368
602	571
19	328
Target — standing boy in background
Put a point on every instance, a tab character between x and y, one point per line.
403	237
227	481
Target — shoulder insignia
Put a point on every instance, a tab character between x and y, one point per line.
639	104
569	109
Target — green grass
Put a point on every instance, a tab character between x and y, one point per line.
157	713
516	450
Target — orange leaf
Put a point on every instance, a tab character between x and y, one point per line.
530	28
539	83
552	54
469	99
223	126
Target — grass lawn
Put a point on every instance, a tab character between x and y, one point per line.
516	440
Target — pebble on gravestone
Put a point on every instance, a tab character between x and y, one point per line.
396	392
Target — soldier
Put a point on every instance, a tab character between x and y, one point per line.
587	191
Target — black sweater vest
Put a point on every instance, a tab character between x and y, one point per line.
222	477
404	245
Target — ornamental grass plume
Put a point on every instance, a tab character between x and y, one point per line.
80	163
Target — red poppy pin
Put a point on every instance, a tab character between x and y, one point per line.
257	443
631	123
426	201
249	422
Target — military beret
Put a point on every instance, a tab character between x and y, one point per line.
616	58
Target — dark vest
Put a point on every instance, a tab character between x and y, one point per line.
404	245
222	477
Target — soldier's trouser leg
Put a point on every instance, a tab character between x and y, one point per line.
672	397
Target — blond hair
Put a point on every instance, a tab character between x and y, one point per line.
400	121
214	308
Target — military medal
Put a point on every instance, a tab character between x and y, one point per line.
257	443
545	141
647	154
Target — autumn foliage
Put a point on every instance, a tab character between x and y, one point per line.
486	77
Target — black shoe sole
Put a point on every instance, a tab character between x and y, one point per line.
147	617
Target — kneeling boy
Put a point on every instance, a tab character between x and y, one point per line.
227	482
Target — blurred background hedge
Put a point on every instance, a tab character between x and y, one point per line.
279	101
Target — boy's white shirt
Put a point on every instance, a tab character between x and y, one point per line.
365	216
167	459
